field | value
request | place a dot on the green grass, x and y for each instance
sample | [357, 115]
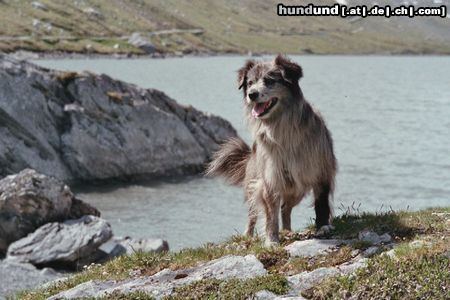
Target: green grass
[231, 289]
[400, 225]
[412, 274]
[430, 224]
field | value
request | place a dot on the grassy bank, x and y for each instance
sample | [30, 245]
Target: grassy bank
[219, 26]
[415, 270]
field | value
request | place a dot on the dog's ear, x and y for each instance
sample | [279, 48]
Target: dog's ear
[290, 71]
[242, 73]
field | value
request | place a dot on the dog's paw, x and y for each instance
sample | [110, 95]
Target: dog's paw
[324, 229]
[271, 244]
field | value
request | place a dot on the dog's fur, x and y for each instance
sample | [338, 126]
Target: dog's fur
[292, 152]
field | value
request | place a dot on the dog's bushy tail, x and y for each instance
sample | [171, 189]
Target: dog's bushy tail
[230, 161]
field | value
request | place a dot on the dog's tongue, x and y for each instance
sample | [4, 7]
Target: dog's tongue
[259, 108]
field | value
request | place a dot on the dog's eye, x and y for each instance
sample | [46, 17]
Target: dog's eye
[250, 83]
[269, 81]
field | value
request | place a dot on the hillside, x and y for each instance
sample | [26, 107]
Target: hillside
[393, 255]
[218, 26]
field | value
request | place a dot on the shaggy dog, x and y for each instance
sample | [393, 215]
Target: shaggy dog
[292, 152]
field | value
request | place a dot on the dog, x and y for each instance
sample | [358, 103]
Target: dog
[292, 152]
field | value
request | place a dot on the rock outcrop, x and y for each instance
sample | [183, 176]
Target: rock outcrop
[126, 246]
[18, 276]
[71, 244]
[29, 199]
[163, 283]
[86, 127]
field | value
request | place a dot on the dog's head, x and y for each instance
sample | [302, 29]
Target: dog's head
[270, 87]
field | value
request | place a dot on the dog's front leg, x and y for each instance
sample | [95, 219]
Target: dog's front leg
[252, 218]
[272, 211]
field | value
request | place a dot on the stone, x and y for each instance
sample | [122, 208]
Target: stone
[138, 40]
[87, 127]
[143, 245]
[92, 12]
[371, 251]
[420, 244]
[127, 246]
[266, 295]
[70, 244]
[373, 238]
[312, 247]
[307, 280]
[164, 282]
[80, 208]
[385, 238]
[16, 277]
[39, 5]
[390, 253]
[30, 199]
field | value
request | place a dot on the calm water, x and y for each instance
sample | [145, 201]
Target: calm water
[389, 116]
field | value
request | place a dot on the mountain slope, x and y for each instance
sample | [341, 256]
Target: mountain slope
[211, 26]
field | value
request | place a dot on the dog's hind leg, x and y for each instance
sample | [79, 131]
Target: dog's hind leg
[286, 210]
[289, 201]
[322, 205]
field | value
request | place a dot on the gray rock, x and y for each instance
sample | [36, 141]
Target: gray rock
[80, 208]
[143, 245]
[138, 40]
[420, 244]
[307, 280]
[266, 295]
[72, 244]
[127, 246]
[373, 237]
[29, 200]
[371, 251]
[92, 12]
[390, 253]
[163, 283]
[352, 266]
[87, 127]
[312, 247]
[16, 277]
[39, 5]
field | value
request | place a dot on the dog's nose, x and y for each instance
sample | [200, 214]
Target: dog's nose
[253, 96]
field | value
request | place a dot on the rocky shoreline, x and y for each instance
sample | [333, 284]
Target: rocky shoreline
[47, 233]
[344, 264]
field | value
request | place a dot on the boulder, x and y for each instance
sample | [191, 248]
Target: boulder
[138, 40]
[164, 282]
[92, 12]
[39, 5]
[312, 247]
[70, 244]
[127, 246]
[373, 238]
[16, 277]
[87, 127]
[29, 200]
[306, 280]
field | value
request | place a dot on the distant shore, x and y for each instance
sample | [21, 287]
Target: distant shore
[31, 55]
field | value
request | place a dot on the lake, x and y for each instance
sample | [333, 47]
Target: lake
[389, 117]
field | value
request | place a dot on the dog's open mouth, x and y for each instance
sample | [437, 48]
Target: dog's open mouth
[260, 109]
